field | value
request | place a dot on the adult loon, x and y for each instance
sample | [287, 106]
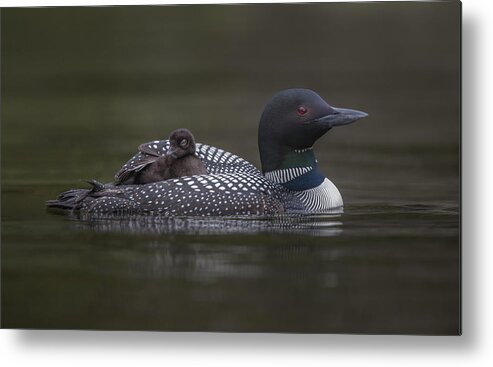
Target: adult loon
[180, 160]
[290, 181]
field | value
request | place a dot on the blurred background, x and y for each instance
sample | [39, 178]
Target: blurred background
[83, 87]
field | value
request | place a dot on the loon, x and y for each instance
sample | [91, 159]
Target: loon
[289, 182]
[180, 160]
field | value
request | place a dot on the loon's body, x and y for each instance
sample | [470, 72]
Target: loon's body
[178, 161]
[289, 182]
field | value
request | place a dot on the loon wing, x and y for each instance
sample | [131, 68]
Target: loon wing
[217, 161]
[233, 186]
[149, 150]
[199, 195]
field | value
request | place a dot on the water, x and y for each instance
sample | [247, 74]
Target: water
[76, 103]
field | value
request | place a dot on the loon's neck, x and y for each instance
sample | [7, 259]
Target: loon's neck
[296, 170]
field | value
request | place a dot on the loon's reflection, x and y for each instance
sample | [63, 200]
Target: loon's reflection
[296, 261]
[316, 225]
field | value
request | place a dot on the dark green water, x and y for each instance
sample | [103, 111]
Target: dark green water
[83, 87]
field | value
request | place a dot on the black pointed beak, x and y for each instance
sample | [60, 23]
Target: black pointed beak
[340, 116]
[171, 152]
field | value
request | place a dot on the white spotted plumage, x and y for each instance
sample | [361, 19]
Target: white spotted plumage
[216, 160]
[208, 195]
[232, 187]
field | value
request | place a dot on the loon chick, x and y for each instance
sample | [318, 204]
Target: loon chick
[290, 181]
[180, 160]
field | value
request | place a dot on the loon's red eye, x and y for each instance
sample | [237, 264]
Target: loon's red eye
[302, 110]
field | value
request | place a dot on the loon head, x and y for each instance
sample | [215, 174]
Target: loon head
[292, 121]
[182, 143]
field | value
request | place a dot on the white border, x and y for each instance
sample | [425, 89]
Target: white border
[474, 348]
[17, 3]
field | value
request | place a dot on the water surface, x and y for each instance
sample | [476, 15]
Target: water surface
[82, 88]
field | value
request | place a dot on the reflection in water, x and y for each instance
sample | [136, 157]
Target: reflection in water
[377, 268]
[208, 264]
[316, 225]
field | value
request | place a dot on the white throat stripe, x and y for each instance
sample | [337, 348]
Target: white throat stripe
[287, 174]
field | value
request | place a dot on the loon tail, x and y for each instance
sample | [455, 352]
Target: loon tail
[72, 198]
